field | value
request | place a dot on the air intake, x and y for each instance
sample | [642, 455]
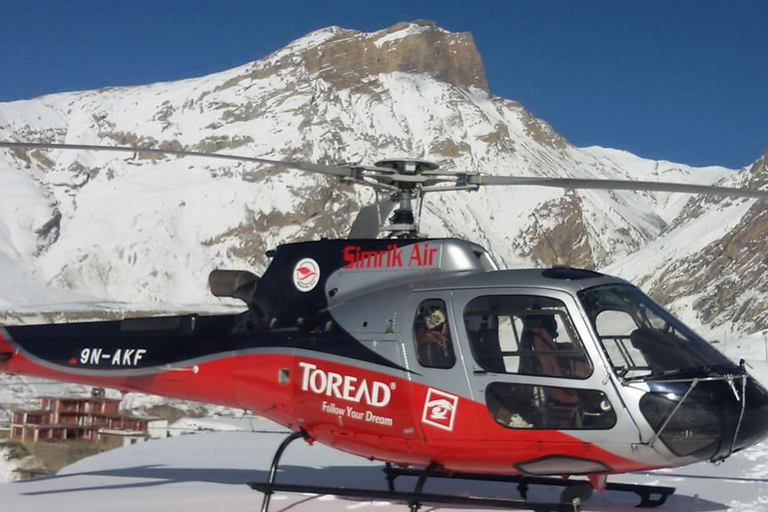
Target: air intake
[237, 284]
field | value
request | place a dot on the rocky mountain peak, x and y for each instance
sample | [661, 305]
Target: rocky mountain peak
[348, 59]
[758, 172]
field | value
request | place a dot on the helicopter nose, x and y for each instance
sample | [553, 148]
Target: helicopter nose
[707, 419]
[754, 422]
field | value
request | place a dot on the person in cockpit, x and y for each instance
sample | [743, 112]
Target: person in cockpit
[548, 357]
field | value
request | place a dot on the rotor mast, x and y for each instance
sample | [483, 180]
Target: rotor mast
[404, 222]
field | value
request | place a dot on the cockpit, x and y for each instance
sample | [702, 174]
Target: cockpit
[699, 403]
[570, 350]
[640, 338]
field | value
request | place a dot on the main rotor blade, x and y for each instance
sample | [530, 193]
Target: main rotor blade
[653, 186]
[370, 219]
[302, 166]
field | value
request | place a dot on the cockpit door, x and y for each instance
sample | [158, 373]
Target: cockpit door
[533, 366]
[441, 396]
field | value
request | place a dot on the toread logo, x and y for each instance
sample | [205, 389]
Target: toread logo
[440, 409]
[306, 275]
[346, 387]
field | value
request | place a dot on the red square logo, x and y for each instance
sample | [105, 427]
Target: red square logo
[440, 409]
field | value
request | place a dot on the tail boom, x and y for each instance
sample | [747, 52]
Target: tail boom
[107, 354]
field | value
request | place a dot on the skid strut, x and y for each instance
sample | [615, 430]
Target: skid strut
[275, 461]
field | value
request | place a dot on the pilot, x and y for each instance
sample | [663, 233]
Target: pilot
[433, 339]
[539, 335]
[552, 357]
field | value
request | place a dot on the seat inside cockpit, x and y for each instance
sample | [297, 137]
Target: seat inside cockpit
[525, 335]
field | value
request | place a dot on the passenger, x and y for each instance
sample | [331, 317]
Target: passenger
[433, 340]
[500, 405]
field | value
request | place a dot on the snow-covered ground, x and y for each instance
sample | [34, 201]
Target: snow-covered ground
[209, 472]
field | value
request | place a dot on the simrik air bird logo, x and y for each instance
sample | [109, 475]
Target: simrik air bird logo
[306, 275]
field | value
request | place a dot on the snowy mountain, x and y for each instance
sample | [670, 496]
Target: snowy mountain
[710, 264]
[83, 231]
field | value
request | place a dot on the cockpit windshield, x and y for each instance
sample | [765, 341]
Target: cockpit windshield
[641, 338]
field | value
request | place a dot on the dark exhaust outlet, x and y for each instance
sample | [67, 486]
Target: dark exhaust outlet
[238, 284]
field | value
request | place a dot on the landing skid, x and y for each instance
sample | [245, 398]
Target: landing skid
[650, 495]
[416, 499]
[570, 501]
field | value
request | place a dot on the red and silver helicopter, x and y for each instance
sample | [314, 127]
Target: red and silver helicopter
[422, 353]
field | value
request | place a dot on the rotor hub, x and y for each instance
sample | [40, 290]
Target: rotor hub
[408, 165]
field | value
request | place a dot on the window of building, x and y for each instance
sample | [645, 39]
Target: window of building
[525, 335]
[432, 335]
[527, 406]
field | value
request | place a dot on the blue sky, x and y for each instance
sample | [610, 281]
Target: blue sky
[682, 81]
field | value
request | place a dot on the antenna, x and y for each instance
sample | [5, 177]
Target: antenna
[558, 261]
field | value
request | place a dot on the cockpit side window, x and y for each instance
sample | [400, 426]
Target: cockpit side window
[525, 335]
[615, 328]
[432, 335]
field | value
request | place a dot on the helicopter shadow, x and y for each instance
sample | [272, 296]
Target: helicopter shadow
[368, 477]
[158, 475]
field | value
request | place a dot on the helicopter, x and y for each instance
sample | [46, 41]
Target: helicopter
[423, 354]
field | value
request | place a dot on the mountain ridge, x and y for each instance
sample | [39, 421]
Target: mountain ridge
[149, 229]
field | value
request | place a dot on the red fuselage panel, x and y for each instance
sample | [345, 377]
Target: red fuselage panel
[370, 413]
